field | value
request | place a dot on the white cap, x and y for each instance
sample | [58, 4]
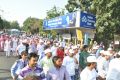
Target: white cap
[95, 47]
[71, 51]
[78, 45]
[47, 51]
[102, 51]
[107, 53]
[41, 41]
[66, 51]
[60, 45]
[109, 49]
[91, 59]
[118, 53]
[74, 47]
[24, 41]
[57, 44]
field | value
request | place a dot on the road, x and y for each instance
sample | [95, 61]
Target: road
[5, 65]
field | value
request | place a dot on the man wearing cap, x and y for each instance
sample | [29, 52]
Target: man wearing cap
[111, 52]
[101, 55]
[94, 50]
[103, 65]
[69, 62]
[114, 68]
[40, 49]
[54, 49]
[46, 61]
[21, 47]
[76, 55]
[89, 73]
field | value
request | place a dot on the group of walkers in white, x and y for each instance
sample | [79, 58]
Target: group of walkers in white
[47, 59]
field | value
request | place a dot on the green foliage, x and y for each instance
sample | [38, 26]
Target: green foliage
[6, 24]
[108, 19]
[9, 25]
[107, 14]
[1, 23]
[52, 13]
[14, 25]
[32, 25]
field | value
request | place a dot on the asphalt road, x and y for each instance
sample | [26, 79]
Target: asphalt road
[5, 65]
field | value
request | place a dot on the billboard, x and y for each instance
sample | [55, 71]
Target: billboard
[65, 21]
[87, 20]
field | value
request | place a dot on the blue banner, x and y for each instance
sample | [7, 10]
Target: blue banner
[65, 21]
[87, 20]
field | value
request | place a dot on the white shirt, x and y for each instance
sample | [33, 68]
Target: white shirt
[54, 51]
[114, 70]
[69, 62]
[15, 43]
[40, 49]
[102, 67]
[58, 74]
[77, 57]
[87, 74]
[32, 48]
[7, 45]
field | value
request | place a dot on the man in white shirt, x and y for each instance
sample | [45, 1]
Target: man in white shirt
[76, 55]
[40, 48]
[103, 65]
[114, 68]
[69, 62]
[89, 73]
[54, 50]
[7, 47]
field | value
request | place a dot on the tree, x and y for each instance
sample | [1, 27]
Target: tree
[107, 14]
[1, 23]
[108, 19]
[14, 25]
[32, 25]
[52, 13]
[74, 5]
[6, 24]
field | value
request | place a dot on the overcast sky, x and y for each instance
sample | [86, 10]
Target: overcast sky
[21, 9]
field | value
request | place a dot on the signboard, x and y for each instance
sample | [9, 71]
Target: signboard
[65, 21]
[87, 20]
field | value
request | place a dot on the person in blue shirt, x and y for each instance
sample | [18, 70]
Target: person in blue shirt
[18, 65]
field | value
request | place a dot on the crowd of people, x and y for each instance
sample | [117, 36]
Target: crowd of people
[47, 59]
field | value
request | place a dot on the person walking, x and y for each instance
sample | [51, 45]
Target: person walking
[46, 61]
[69, 62]
[7, 47]
[114, 68]
[58, 71]
[18, 65]
[32, 68]
[89, 72]
[83, 57]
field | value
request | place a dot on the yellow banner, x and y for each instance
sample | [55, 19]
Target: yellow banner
[79, 34]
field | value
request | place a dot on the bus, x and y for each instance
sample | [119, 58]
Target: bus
[14, 32]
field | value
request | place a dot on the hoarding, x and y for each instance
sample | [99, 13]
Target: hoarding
[87, 20]
[65, 21]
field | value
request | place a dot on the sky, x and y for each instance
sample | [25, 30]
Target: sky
[20, 10]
